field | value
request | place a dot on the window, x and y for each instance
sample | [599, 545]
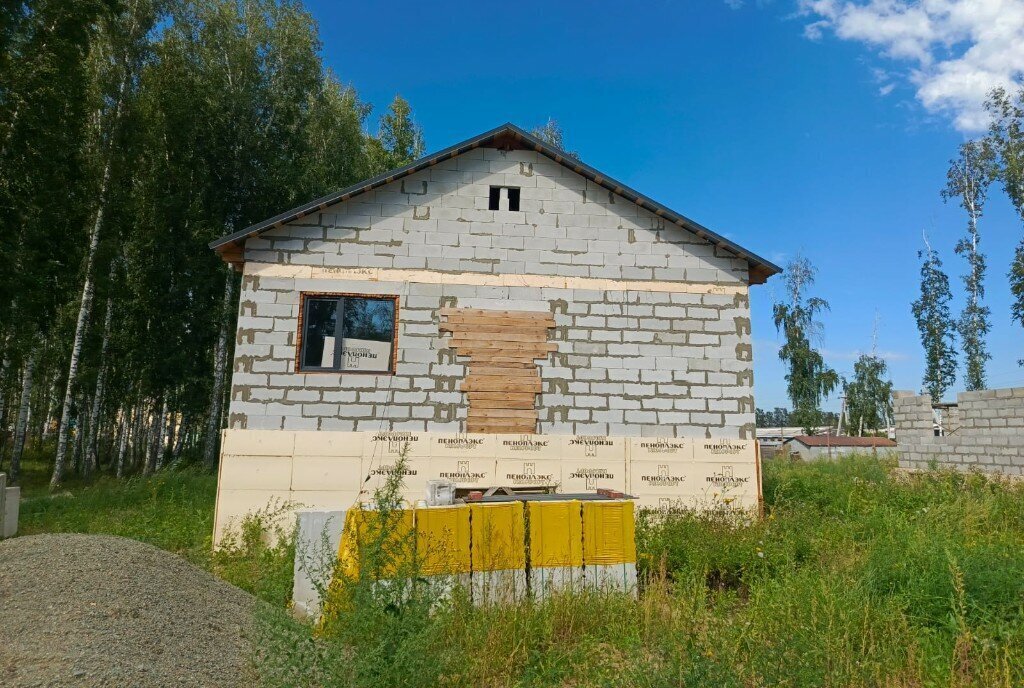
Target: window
[503, 198]
[347, 333]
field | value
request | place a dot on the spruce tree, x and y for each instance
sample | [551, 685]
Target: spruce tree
[934, 322]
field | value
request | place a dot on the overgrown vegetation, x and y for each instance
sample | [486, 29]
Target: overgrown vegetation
[858, 576]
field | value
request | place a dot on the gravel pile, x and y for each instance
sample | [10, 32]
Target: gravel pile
[95, 610]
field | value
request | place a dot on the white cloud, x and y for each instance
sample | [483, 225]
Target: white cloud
[957, 50]
[886, 90]
[734, 4]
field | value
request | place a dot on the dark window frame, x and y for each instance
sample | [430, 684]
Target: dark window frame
[304, 298]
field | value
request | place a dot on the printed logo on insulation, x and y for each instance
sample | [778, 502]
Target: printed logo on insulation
[529, 476]
[591, 445]
[662, 477]
[462, 441]
[525, 444]
[591, 476]
[394, 441]
[727, 478]
[463, 474]
[723, 447]
[664, 446]
[390, 470]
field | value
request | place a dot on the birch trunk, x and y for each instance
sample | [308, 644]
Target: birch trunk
[166, 419]
[76, 448]
[3, 407]
[48, 421]
[213, 423]
[89, 461]
[140, 437]
[21, 429]
[85, 307]
[156, 434]
[127, 416]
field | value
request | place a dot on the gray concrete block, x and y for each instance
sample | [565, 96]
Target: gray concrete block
[318, 534]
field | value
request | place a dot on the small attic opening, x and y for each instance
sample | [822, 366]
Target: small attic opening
[504, 198]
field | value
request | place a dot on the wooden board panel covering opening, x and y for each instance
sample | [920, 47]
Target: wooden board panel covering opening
[503, 377]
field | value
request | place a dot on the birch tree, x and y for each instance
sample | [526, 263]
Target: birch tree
[808, 380]
[126, 50]
[1006, 139]
[935, 325]
[869, 394]
[968, 179]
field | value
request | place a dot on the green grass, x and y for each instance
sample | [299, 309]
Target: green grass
[172, 510]
[858, 576]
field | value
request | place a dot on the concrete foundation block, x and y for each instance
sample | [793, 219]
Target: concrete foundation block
[318, 535]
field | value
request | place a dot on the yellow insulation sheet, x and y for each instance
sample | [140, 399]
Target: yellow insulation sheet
[498, 533]
[442, 540]
[556, 534]
[609, 533]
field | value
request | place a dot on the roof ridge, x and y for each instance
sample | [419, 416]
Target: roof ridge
[760, 268]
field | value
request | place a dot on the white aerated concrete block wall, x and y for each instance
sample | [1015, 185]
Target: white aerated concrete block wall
[653, 322]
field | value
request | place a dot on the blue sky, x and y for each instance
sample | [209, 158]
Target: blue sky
[820, 127]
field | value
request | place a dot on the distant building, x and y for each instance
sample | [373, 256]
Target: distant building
[815, 447]
[770, 440]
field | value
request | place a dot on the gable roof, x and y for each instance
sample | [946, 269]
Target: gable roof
[509, 137]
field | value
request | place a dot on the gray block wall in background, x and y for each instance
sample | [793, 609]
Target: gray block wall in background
[985, 432]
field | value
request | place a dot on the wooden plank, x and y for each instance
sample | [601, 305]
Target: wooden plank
[470, 347]
[483, 413]
[517, 363]
[471, 384]
[491, 313]
[502, 425]
[509, 336]
[502, 358]
[497, 370]
[505, 403]
[499, 320]
[456, 321]
[499, 396]
[496, 327]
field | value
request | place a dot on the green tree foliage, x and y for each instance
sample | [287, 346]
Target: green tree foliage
[169, 123]
[44, 113]
[869, 395]
[934, 322]
[1006, 139]
[775, 418]
[808, 379]
[400, 140]
[968, 179]
[551, 133]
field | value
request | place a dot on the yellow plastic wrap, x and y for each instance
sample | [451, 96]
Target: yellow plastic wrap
[364, 533]
[609, 533]
[556, 534]
[498, 536]
[442, 540]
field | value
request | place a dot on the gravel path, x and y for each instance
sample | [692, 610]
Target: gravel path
[95, 610]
